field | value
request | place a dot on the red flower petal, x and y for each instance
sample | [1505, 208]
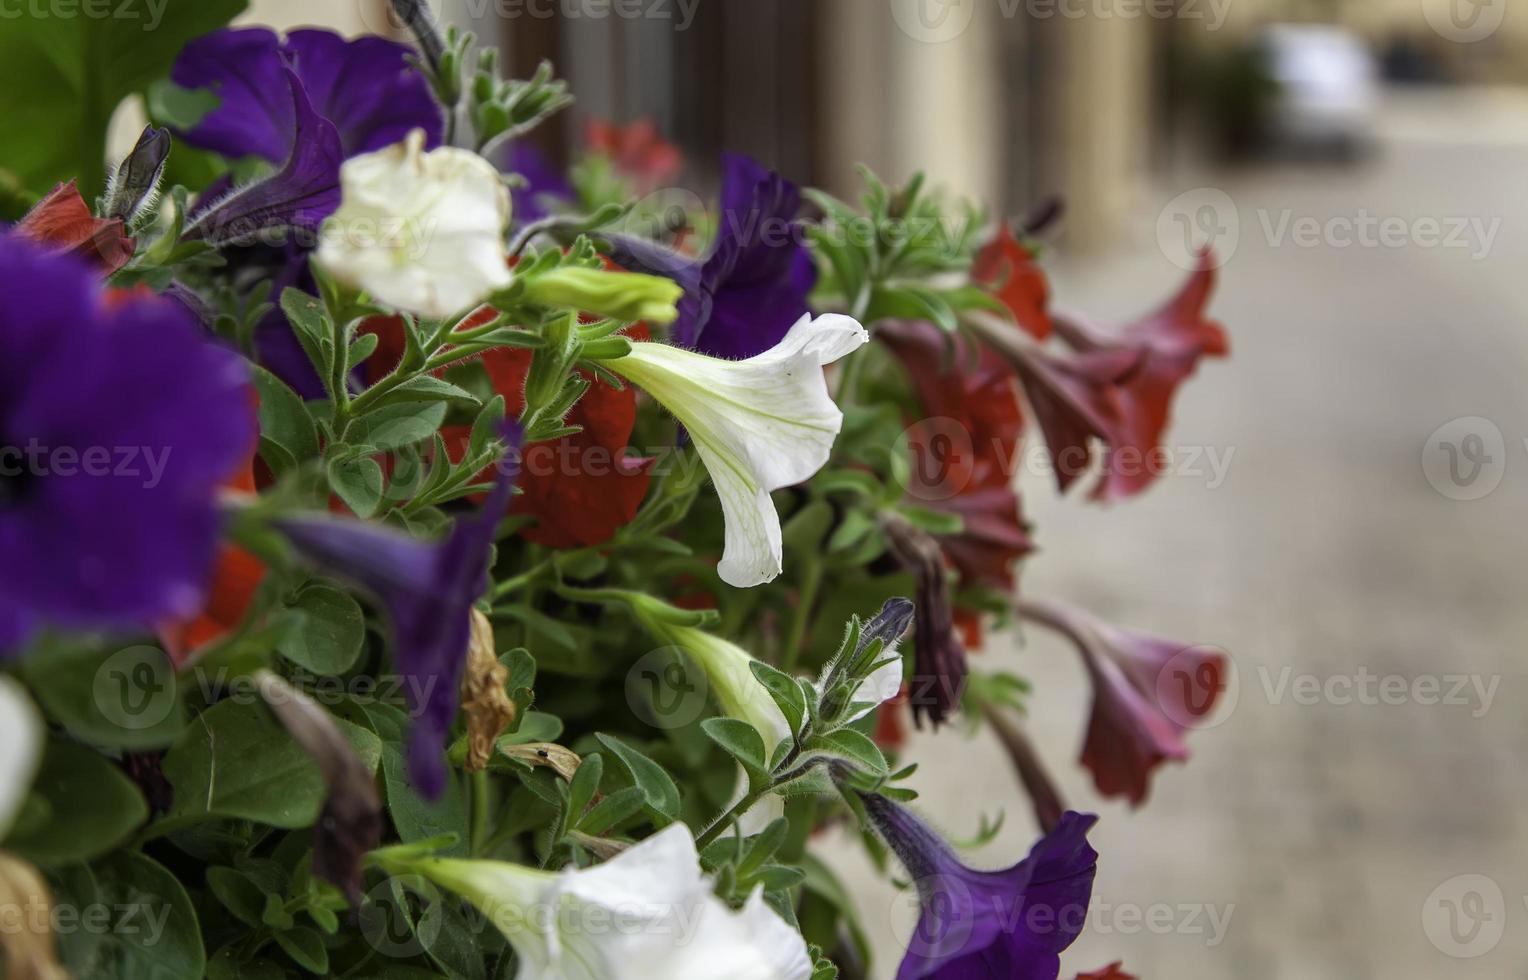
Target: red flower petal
[234, 583]
[638, 152]
[975, 389]
[63, 220]
[1010, 271]
[1110, 972]
[582, 488]
[1171, 341]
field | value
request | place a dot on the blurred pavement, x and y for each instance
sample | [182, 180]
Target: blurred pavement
[1332, 834]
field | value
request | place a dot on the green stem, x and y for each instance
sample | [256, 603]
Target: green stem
[479, 789]
[520, 581]
[811, 583]
[726, 819]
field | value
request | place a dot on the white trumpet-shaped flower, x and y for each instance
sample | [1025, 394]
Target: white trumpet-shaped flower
[759, 425]
[648, 912]
[21, 735]
[421, 232]
[727, 669]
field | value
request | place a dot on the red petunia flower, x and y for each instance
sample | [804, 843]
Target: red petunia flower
[581, 488]
[992, 541]
[1148, 692]
[1170, 343]
[63, 220]
[1010, 272]
[235, 580]
[970, 386]
[638, 152]
[1110, 972]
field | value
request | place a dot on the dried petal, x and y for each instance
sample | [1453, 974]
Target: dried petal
[489, 708]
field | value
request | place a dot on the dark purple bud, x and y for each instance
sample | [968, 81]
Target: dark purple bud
[135, 183]
[939, 659]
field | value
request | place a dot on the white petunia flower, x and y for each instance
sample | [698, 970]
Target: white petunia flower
[648, 912]
[421, 232]
[759, 424]
[21, 734]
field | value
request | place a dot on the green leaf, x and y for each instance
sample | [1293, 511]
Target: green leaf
[585, 784]
[612, 810]
[236, 760]
[396, 426]
[89, 806]
[428, 388]
[62, 77]
[330, 631]
[849, 744]
[306, 948]
[661, 793]
[361, 348]
[741, 741]
[307, 317]
[784, 689]
[284, 421]
[358, 481]
[124, 699]
[415, 818]
[132, 887]
[238, 893]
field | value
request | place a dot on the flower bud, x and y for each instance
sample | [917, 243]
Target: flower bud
[626, 296]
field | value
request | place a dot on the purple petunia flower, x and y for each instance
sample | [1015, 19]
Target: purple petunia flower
[427, 590]
[300, 195]
[365, 88]
[744, 298]
[117, 427]
[1012, 923]
[545, 185]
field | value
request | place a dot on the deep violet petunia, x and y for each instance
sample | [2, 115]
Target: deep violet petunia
[427, 590]
[545, 188]
[747, 294]
[1012, 923]
[118, 425]
[300, 195]
[365, 87]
